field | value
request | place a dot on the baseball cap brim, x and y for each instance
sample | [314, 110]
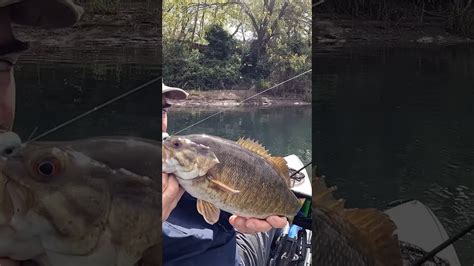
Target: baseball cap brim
[174, 93]
[45, 13]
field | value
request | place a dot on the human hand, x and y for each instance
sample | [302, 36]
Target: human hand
[253, 225]
[8, 262]
[171, 194]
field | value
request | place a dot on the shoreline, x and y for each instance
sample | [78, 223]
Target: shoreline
[232, 98]
[138, 26]
[333, 31]
[132, 25]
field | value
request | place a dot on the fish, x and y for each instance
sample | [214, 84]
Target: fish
[350, 237]
[239, 177]
[85, 202]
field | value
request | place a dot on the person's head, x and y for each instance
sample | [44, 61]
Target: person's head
[168, 95]
[47, 14]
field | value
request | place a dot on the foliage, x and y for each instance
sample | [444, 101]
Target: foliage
[457, 15]
[241, 44]
[220, 46]
[192, 69]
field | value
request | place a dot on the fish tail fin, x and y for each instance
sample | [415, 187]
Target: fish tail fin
[301, 202]
[291, 219]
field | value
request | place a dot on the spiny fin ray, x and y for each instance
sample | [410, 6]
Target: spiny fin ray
[278, 163]
[371, 228]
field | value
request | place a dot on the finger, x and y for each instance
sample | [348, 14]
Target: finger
[175, 199]
[232, 220]
[240, 224]
[258, 225]
[173, 185]
[277, 221]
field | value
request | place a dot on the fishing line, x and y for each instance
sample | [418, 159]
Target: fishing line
[444, 245]
[295, 173]
[145, 85]
[239, 103]
[95, 109]
[32, 133]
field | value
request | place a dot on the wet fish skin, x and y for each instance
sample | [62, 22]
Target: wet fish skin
[87, 207]
[332, 247]
[352, 237]
[259, 189]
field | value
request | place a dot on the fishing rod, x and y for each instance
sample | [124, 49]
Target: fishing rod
[298, 179]
[444, 245]
[98, 107]
[306, 165]
[244, 100]
[136, 89]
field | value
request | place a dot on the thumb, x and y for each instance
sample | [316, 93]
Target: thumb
[164, 181]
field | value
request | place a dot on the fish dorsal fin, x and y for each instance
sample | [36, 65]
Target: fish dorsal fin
[378, 230]
[278, 163]
[254, 147]
[323, 196]
[282, 168]
[373, 229]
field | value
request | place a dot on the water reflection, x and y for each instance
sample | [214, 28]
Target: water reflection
[397, 123]
[54, 88]
[282, 130]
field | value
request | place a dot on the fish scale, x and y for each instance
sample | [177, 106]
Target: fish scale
[242, 166]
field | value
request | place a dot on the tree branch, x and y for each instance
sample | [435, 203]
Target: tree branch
[236, 30]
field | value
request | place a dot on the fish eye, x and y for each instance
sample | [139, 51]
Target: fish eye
[7, 151]
[177, 144]
[47, 168]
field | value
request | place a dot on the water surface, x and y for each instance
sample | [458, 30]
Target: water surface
[399, 123]
[55, 86]
[282, 130]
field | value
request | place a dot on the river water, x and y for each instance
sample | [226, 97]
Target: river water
[282, 130]
[55, 86]
[398, 123]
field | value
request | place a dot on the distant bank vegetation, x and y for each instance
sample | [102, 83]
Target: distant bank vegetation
[456, 15]
[238, 44]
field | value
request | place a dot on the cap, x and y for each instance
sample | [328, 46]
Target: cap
[174, 93]
[44, 13]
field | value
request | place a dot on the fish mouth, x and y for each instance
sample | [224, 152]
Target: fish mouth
[6, 205]
[14, 199]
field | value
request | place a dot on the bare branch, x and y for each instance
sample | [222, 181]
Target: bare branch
[236, 30]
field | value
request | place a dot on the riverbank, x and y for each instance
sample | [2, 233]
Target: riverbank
[232, 98]
[130, 25]
[338, 31]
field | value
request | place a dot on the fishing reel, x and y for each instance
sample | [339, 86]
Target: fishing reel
[293, 249]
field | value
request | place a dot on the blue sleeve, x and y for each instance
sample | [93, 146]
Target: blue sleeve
[189, 240]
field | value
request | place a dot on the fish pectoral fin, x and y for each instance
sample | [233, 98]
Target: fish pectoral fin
[223, 186]
[208, 211]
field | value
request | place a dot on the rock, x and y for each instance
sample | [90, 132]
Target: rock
[266, 101]
[327, 31]
[441, 39]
